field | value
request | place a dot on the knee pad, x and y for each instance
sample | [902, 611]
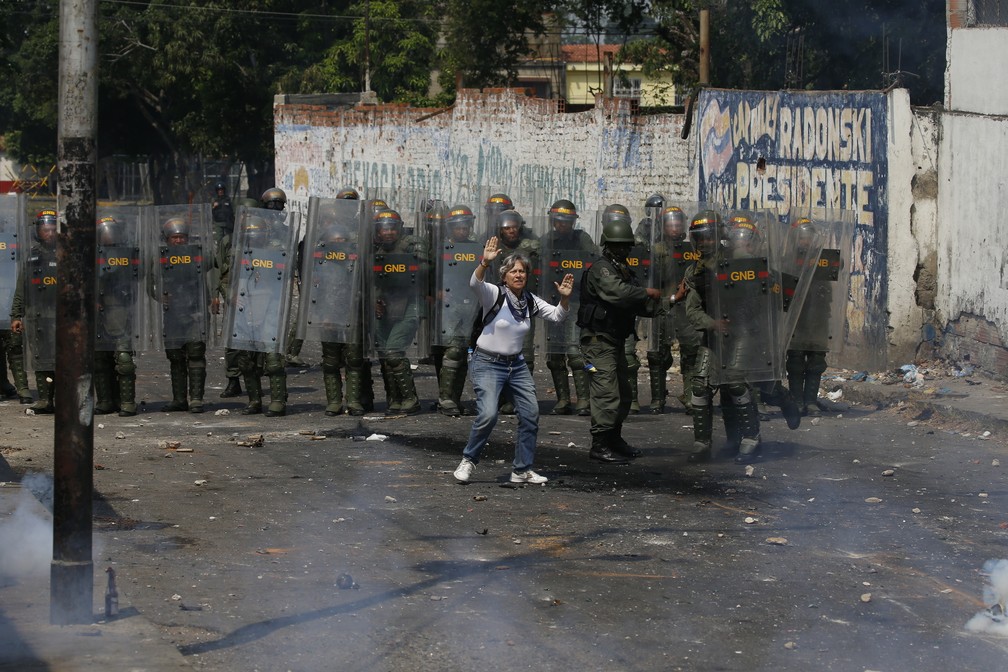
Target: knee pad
[175, 355]
[576, 362]
[354, 354]
[817, 363]
[124, 364]
[274, 364]
[740, 394]
[556, 362]
[196, 354]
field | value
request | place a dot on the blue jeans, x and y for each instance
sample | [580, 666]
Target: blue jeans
[490, 375]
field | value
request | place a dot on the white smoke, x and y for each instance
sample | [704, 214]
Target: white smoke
[26, 535]
[993, 620]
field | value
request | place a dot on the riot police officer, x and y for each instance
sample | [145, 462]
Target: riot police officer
[564, 243]
[806, 354]
[117, 318]
[611, 300]
[672, 255]
[514, 235]
[738, 411]
[636, 258]
[11, 219]
[222, 211]
[35, 298]
[396, 291]
[261, 301]
[182, 292]
[455, 308]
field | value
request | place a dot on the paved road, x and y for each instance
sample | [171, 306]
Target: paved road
[818, 559]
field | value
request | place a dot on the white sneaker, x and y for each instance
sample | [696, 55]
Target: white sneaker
[526, 477]
[464, 471]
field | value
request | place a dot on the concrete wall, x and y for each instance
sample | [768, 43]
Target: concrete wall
[977, 63]
[929, 274]
[499, 140]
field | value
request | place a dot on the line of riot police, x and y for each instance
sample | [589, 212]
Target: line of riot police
[392, 284]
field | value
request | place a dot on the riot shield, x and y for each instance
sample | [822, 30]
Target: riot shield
[182, 248]
[672, 255]
[820, 321]
[121, 305]
[329, 310]
[395, 288]
[745, 297]
[457, 247]
[12, 210]
[261, 279]
[40, 296]
[564, 253]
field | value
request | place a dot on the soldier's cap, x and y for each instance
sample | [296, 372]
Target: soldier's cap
[704, 219]
[500, 199]
[44, 215]
[107, 220]
[673, 210]
[460, 214]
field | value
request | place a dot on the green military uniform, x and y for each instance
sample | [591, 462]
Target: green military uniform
[41, 267]
[672, 258]
[179, 277]
[611, 300]
[737, 408]
[397, 312]
[559, 362]
[118, 264]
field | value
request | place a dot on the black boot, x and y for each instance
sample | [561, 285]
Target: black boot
[602, 451]
[233, 389]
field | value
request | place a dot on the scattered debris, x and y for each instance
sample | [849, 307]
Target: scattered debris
[346, 582]
[866, 597]
[479, 498]
[749, 520]
[790, 646]
[252, 441]
[915, 510]
[222, 411]
[120, 435]
[306, 432]
[873, 500]
[777, 541]
[750, 470]
[995, 463]
[889, 472]
[390, 499]
[376, 437]
[201, 481]
[172, 445]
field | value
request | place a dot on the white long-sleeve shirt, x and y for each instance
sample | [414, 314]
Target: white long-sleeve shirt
[504, 334]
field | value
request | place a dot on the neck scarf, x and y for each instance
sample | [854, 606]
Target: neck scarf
[518, 306]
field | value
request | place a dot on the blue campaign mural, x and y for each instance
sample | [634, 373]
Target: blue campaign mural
[784, 150]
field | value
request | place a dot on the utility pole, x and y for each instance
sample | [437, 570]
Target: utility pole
[72, 569]
[704, 47]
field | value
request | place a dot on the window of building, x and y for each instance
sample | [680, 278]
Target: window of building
[626, 87]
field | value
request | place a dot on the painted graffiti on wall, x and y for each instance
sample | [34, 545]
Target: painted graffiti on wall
[782, 151]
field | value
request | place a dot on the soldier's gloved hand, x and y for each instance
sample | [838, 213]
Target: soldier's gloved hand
[16, 326]
[215, 306]
[653, 293]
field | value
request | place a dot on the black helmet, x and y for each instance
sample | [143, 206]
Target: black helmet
[704, 230]
[273, 199]
[461, 216]
[655, 201]
[109, 231]
[176, 226]
[563, 211]
[220, 187]
[673, 221]
[510, 219]
[348, 193]
[617, 226]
